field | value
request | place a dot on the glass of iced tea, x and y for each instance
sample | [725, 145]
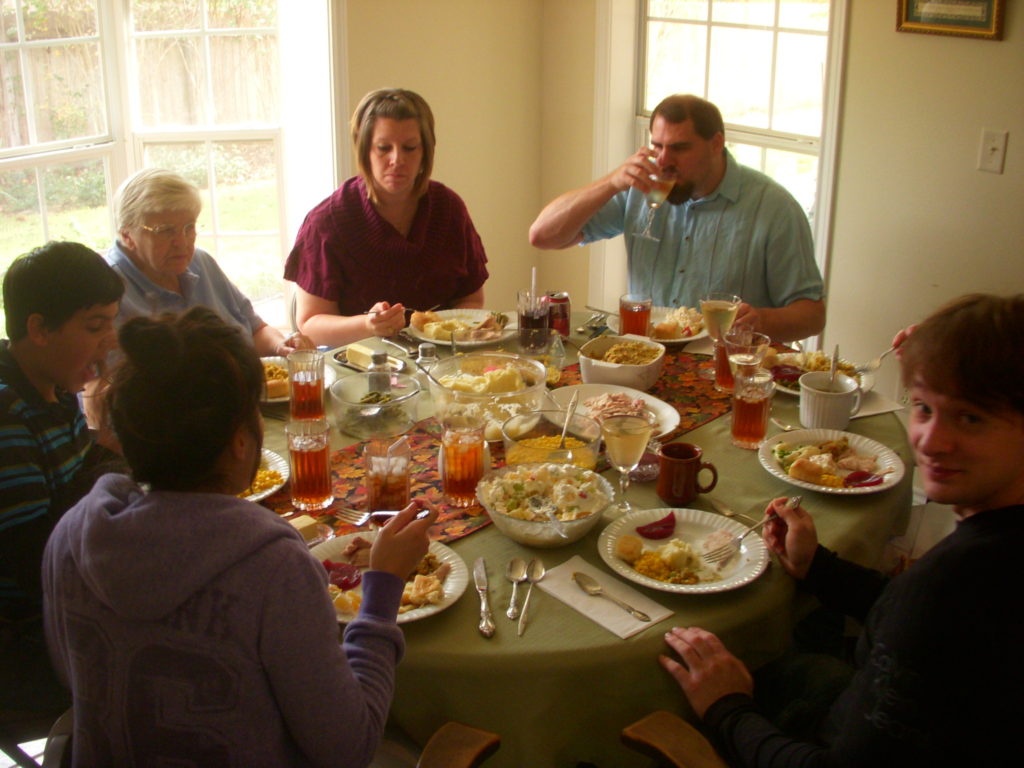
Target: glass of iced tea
[532, 313]
[306, 384]
[309, 450]
[463, 460]
[387, 474]
[634, 314]
[751, 404]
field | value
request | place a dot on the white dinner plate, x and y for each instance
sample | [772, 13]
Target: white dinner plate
[468, 316]
[692, 526]
[886, 458]
[867, 380]
[329, 377]
[277, 463]
[668, 417]
[454, 585]
[658, 314]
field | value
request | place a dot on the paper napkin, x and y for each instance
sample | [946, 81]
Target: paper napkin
[558, 582]
[873, 403]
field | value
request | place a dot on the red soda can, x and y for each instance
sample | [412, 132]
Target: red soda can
[558, 311]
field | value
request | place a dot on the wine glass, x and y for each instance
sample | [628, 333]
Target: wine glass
[661, 186]
[625, 440]
[719, 311]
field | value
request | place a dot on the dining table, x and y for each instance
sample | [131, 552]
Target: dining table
[561, 693]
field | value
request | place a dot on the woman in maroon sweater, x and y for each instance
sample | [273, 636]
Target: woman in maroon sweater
[389, 239]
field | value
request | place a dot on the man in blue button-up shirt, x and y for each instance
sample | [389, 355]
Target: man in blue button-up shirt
[727, 228]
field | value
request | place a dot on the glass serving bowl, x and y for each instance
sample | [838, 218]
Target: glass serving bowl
[533, 436]
[492, 385]
[372, 420]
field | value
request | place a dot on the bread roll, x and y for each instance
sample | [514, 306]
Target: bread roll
[806, 470]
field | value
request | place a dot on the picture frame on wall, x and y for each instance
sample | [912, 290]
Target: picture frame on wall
[981, 19]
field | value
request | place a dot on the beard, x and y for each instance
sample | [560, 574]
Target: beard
[680, 193]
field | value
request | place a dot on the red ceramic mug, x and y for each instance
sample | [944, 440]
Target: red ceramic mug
[678, 467]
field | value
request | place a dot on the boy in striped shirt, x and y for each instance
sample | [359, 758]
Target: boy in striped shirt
[60, 302]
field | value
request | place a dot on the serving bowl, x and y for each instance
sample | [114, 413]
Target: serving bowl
[460, 378]
[371, 420]
[504, 496]
[533, 437]
[595, 371]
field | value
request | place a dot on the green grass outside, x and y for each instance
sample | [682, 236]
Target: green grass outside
[252, 262]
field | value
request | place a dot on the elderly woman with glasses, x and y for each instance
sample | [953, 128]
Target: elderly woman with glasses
[155, 254]
[390, 238]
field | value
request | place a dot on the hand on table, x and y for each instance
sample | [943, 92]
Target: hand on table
[295, 341]
[710, 671]
[403, 541]
[385, 319]
[791, 536]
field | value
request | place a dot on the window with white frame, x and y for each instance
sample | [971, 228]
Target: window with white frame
[763, 62]
[93, 90]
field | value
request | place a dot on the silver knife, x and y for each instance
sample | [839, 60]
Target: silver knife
[480, 578]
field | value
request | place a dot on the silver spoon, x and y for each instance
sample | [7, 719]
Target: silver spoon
[591, 587]
[516, 573]
[782, 426]
[535, 572]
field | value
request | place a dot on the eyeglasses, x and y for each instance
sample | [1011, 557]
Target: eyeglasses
[168, 231]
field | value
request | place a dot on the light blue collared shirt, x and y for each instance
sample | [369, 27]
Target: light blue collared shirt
[202, 284]
[749, 237]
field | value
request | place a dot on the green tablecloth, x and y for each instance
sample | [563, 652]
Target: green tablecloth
[561, 693]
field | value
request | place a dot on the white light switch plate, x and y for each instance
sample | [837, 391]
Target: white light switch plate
[992, 153]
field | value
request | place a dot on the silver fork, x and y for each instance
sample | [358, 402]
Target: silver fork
[874, 364]
[721, 555]
[357, 518]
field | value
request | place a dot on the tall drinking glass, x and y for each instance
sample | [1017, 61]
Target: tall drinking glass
[635, 314]
[751, 404]
[719, 311]
[532, 312]
[309, 449]
[306, 384]
[462, 458]
[661, 186]
[625, 440]
[746, 349]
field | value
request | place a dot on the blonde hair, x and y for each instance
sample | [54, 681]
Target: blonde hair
[153, 190]
[394, 104]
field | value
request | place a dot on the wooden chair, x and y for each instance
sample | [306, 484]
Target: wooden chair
[455, 745]
[672, 740]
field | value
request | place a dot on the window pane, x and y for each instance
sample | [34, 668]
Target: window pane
[13, 120]
[153, 15]
[747, 154]
[76, 203]
[797, 172]
[232, 14]
[172, 81]
[744, 11]
[246, 173]
[253, 264]
[741, 65]
[679, 9]
[799, 83]
[804, 14]
[21, 225]
[67, 86]
[188, 160]
[675, 61]
[253, 98]
[55, 19]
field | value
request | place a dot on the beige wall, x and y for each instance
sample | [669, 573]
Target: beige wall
[478, 64]
[915, 224]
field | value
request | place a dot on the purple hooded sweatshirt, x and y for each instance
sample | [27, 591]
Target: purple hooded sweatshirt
[195, 629]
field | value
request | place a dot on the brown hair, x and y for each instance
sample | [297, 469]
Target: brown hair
[394, 104]
[970, 349]
[185, 386]
[680, 107]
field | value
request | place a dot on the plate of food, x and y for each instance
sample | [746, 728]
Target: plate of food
[472, 327]
[270, 477]
[831, 461]
[438, 581]
[788, 367]
[275, 375]
[671, 326]
[597, 400]
[661, 549]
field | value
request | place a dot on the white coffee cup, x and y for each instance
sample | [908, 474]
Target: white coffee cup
[828, 407]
